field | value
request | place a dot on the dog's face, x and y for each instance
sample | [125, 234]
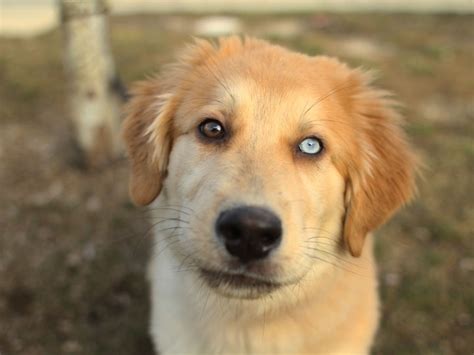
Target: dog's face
[278, 163]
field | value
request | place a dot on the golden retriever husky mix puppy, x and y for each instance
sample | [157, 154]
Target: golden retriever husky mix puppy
[267, 171]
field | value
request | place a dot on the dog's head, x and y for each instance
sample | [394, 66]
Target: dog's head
[274, 161]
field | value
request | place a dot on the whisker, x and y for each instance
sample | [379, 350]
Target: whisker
[219, 80]
[334, 264]
[172, 236]
[183, 262]
[150, 229]
[174, 205]
[167, 245]
[338, 257]
[324, 97]
[223, 78]
[169, 209]
[314, 243]
[179, 206]
[173, 219]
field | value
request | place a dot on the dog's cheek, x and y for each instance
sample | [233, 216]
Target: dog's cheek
[194, 178]
[332, 198]
[182, 168]
[322, 189]
[323, 209]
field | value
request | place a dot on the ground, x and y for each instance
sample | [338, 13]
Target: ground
[73, 249]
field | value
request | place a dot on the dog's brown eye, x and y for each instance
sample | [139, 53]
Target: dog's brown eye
[212, 129]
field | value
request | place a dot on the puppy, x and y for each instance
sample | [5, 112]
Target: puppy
[267, 171]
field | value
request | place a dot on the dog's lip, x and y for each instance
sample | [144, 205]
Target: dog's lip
[216, 278]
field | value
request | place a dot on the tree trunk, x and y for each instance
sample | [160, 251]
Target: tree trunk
[95, 91]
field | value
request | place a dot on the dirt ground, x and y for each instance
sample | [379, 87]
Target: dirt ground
[73, 249]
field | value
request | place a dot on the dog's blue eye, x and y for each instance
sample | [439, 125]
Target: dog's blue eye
[311, 145]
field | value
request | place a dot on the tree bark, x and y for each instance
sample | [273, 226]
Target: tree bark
[95, 92]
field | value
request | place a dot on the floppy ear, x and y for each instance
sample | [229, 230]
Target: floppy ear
[381, 178]
[147, 131]
[148, 128]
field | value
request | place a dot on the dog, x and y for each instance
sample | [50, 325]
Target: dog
[267, 171]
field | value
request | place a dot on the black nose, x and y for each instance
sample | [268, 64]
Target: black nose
[248, 232]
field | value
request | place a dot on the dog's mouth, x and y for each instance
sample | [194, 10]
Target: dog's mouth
[242, 283]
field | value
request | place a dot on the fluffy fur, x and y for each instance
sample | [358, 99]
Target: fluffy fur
[268, 99]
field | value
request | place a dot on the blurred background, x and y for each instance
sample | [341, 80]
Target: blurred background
[73, 249]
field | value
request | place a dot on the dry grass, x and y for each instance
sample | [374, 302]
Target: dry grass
[73, 249]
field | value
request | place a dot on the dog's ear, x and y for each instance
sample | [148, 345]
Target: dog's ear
[147, 131]
[381, 173]
[148, 127]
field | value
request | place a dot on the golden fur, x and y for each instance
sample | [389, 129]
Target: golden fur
[269, 99]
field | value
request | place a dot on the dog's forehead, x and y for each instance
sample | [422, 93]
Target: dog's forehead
[268, 99]
[257, 100]
[261, 90]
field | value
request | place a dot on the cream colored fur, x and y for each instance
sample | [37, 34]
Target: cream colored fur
[268, 99]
